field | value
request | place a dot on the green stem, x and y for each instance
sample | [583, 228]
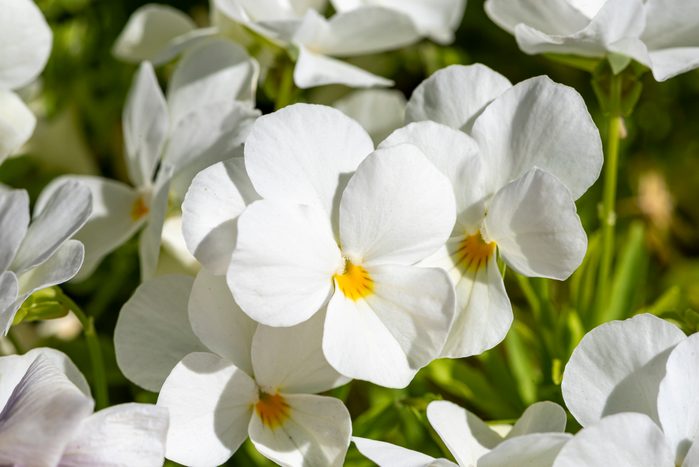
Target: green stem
[286, 87]
[99, 374]
[608, 214]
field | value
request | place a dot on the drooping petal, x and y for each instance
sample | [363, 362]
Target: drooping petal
[125, 434]
[149, 30]
[17, 123]
[14, 219]
[621, 440]
[9, 291]
[379, 111]
[153, 332]
[677, 410]
[534, 222]
[530, 450]
[538, 123]
[603, 378]
[540, 417]
[25, 43]
[210, 212]
[210, 402]
[456, 95]
[316, 432]
[668, 63]
[466, 436]
[41, 415]
[390, 455]
[219, 322]
[281, 271]
[554, 17]
[397, 208]
[291, 360]
[314, 69]
[399, 327]
[63, 215]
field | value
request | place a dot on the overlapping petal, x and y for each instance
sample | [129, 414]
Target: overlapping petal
[390, 455]
[14, 220]
[314, 69]
[17, 123]
[379, 111]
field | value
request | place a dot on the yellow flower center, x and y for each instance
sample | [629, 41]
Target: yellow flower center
[139, 209]
[272, 409]
[355, 281]
[473, 252]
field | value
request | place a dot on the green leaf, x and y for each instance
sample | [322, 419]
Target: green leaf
[629, 274]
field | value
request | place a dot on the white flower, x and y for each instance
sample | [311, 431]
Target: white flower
[631, 384]
[41, 254]
[379, 111]
[533, 150]
[25, 44]
[224, 378]
[207, 114]
[657, 33]
[325, 237]
[535, 439]
[47, 418]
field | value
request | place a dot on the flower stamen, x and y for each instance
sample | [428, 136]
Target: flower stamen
[272, 409]
[473, 253]
[139, 209]
[355, 281]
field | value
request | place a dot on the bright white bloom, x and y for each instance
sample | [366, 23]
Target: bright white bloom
[325, 236]
[208, 112]
[661, 34]
[379, 111]
[223, 377]
[25, 44]
[632, 385]
[436, 19]
[535, 439]
[533, 149]
[38, 255]
[47, 418]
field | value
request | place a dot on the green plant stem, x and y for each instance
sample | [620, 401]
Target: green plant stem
[608, 213]
[99, 375]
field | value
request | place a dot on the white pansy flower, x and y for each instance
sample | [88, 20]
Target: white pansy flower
[637, 400]
[327, 237]
[223, 377]
[25, 44]
[205, 118]
[533, 149]
[39, 254]
[660, 34]
[379, 111]
[535, 439]
[47, 418]
[436, 19]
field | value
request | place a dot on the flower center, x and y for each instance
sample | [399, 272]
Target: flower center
[355, 281]
[272, 409]
[139, 209]
[473, 252]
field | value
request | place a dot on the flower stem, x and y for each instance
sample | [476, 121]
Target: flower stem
[99, 375]
[608, 214]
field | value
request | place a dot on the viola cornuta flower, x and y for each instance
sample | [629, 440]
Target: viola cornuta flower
[660, 34]
[535, 439]
[517, 158]
[636, 401]
[39, 254]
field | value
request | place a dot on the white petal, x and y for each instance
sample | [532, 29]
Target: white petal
[668, 63]
[621, 440]
[603, 377]
[390, 455]
[174, 245]
[677, 408]
[692, 458]
[379, 111]
[152, 234]
[125, 434]
[290, 360]
[466, 436]
[145, 120]
[317, 432]
[555, 17]
[149, 30]
[64, 214]
[534, 222]
[530, 450]
[389, 335]
[540, 417]
[210, 212]
[17, 123]
[281, 271]
[397, 208]
[153, 332]
[456, 95]
[213, 71]
[539, 123]
[25, 43]
[41, 416]
[210, 402]
[313, 69]
[219, 322]
[14, 219]
[9, 291]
